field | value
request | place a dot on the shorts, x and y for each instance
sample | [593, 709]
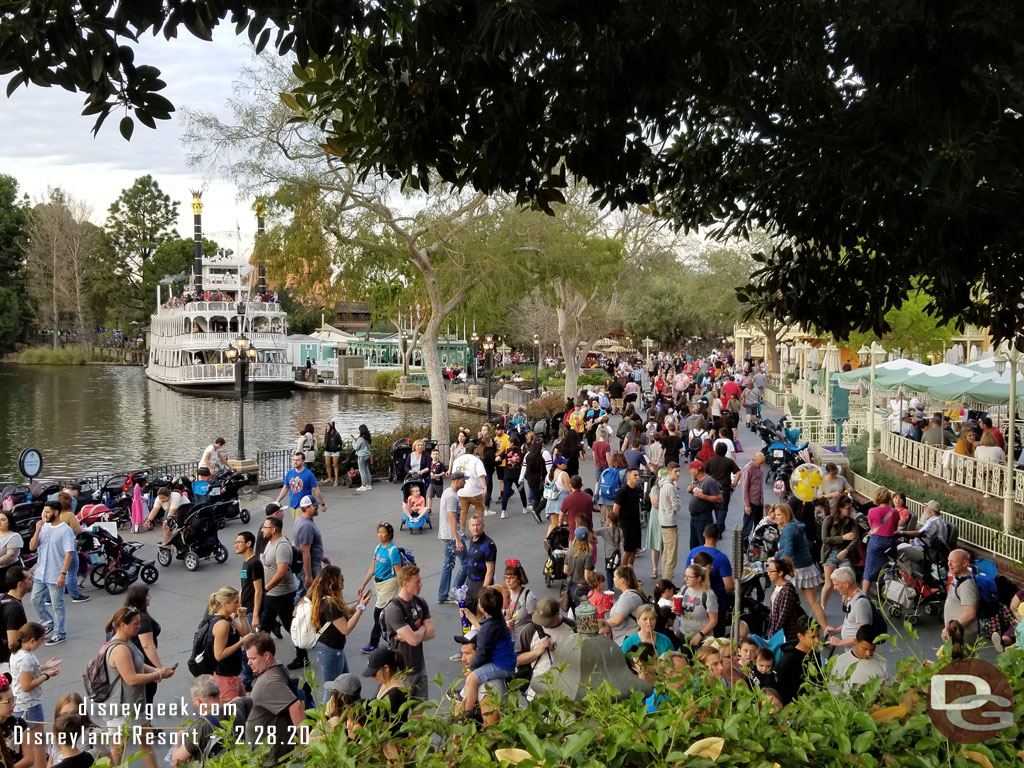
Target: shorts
[434, 491]
[33, 716]
[833, 558]
[332, 454]
[617, 403]
[751, 409]
[489, 672]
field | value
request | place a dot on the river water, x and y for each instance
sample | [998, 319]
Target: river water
[95, 419]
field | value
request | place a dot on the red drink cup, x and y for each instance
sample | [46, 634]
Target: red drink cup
[677, 604]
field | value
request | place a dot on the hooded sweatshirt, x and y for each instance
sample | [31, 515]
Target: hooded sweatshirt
[668, 502]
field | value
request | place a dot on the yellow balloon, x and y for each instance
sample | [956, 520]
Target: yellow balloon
[805, 481]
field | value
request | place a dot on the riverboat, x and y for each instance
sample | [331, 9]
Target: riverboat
[194, 339]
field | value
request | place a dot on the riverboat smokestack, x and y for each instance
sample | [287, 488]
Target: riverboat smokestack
[197, 240]
[261, 268]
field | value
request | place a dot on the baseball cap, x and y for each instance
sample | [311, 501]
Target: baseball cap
[307, 501]
[696, 464]
[272, 508]
[457, 475]
[561, 460]
[547, 610]
[380, 657]
[580, 533]
[347, 683]
[468, 638]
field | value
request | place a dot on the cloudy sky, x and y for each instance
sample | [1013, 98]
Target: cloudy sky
[48, 143]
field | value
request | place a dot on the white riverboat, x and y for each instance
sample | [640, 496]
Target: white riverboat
[190, 335]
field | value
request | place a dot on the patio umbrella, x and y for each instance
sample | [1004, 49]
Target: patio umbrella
[138, 509]
[583, 662]
[887, 375]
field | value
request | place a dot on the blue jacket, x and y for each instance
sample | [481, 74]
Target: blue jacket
[793, 544]
[494, 645]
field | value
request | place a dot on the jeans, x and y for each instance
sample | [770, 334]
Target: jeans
[510, 486]
[490, 488]
[72, 580]
[364, 470]
[328, 663]
[697, 525]
[460, 575]
[722, 510]
[39, 594]
[751, 520]
[536, 485]
[448, 566]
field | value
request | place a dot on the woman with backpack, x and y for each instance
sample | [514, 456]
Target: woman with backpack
[700, 606]
[332, 619]
[306, 444]
[383, 570]
[698, 435]
[229, 628]
[609, 483]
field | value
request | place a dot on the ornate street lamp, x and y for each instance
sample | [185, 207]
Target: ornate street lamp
[242, 353]
[488, 368]
[536, 366]
[873, 355]
[475, 365]
[404, 342]
[1008, 496]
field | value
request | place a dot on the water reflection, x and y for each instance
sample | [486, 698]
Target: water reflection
[94, 419]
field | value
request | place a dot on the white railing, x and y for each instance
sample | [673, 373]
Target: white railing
[220, 340]
[222, 306]
[219, 372]
[973, 534]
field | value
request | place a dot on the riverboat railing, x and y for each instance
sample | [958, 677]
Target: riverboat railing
[220, 372]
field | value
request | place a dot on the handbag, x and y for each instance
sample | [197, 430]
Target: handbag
[613, 561]
[563, 597]
[551, 490]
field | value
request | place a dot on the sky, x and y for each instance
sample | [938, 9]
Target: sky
[48, 143]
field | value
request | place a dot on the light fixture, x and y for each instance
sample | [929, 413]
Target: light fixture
[536, 339]
[230, 353]
[251, 353]
[241, 342]
[864, 354]
[1000, 362]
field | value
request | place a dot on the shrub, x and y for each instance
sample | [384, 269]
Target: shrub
[544, 408]
[592, 379]
[387, 381]
[51, 356]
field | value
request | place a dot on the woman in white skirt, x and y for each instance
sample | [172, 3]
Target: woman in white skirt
[794, 545]
[653, 539]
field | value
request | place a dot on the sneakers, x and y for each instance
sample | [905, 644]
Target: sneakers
[528, 509]
[81, 599]
[48, 627]
[997, 641]
[368, 648]
[56, 639]
[487, 513]
[296, 663]
[442, 600]
[362, 488]
[536, 515]
[276, 631]
[504, 515]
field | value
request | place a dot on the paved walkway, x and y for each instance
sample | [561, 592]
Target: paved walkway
[349, 530]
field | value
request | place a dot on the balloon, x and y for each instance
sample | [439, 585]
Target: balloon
[805, 481]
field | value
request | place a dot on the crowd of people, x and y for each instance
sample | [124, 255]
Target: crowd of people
[674, 440]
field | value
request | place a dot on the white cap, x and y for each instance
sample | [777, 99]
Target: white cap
[307, 501]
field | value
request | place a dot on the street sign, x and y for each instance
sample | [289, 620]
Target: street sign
[30, 463]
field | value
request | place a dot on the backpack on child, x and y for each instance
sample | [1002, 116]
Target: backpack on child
[609, 484]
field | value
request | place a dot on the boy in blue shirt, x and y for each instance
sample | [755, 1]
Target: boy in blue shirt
[299, 482]
[495, 653]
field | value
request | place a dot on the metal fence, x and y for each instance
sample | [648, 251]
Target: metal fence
[974, 534]
[187, 468]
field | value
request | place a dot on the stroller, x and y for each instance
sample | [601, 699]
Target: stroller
[764, 541]
[400, 451]
[424, 519]
[115, 564]
[194, 538]
[753, 588]
[557, 546]
[226, 488]
[907, 587]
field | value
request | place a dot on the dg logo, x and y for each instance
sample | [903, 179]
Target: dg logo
[970, 701]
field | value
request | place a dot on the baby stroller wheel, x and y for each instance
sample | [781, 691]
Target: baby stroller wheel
[913, 618]
[402, 526]
[149, 573]
[98, 577]
[220, 554]
[118, 581]
[192, 561]
[163, 556]
[244, 516]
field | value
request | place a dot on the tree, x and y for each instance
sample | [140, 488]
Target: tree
[14, 310]
[732, 116]
[913, 329]
[139, 222]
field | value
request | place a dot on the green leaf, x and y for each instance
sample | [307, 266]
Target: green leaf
[577, 743]
[863, 741]
[126, 126]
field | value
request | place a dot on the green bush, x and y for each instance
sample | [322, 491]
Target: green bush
[544, 408]
[592, 379]
[879, 724]
[387, 381]
[51, 356]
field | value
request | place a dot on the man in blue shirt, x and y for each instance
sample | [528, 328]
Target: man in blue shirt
[307, 538]
[55, 542]
[721, 567]
[299, 482]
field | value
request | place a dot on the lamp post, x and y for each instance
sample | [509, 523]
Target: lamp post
[648, 343]
[536, 366]
[488, 368]
[241, 352]
[875, 354]
[1001, 360]
[404, 343]
[475, 339]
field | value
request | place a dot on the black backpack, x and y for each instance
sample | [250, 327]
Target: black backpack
[877, 623]
[201, 660]
[386, 633]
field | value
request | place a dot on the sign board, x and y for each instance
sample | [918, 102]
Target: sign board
[30, 463]
[840, 402]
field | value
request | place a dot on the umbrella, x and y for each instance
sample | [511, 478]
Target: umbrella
[888, 375]
[138, 508]
[582, 662]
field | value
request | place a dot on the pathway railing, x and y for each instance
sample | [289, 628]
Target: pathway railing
[974, 534]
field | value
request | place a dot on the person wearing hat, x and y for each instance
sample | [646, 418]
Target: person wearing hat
[486, 712]
[309, 539]
[386, 667]
[450, 534]
[707, 494]
[540, 638]
[579, 565]
[346, 700]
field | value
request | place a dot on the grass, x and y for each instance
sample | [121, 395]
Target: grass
[51, 356]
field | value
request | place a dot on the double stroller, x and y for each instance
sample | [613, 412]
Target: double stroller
[557, 546]
[116, 566]
[194, 537]
[414, 523]
[908, 586]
